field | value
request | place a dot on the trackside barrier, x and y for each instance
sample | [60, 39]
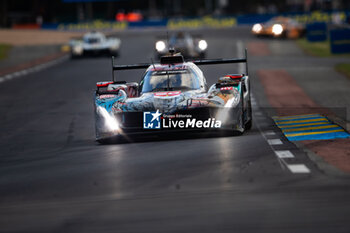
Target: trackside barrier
[316, 32]
[340, 40]
[87, 26]
[205, 22]
[197, 22]
[148, 23]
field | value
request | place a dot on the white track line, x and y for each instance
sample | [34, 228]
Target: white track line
[274, 142]
[298, 168]
[280, 154]
[269, 133]
[284, 154]
[32, 69]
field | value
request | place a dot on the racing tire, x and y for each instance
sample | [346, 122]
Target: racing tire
[72, 56]
[114, 54]
[284, 35]
[239, 132]
[104, 141]
[248, 125]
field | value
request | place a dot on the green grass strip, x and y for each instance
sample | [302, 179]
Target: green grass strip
[4, 50]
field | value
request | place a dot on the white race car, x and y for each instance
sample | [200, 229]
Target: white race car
[94, 43]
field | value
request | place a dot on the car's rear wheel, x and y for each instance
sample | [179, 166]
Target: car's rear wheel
[73, 56]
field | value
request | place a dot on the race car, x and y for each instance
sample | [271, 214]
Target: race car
[189, 46]
[172, 96]
[281, 27]
[94, 43]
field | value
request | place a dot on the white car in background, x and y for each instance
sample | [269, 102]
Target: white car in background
[93, 44]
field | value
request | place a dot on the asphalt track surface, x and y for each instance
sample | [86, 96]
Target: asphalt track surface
[55, 178]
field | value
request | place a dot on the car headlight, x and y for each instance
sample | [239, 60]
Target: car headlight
[277, 29]
[257, 28]
[110, 122]
[114, 47]
[160, 46]
[77, 49]
[202, 44]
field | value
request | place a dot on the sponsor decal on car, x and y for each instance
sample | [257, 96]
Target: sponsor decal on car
[226, 88]
[151, 120]
[107, 96]
[167, 93]
[157, 120]
[191, 123]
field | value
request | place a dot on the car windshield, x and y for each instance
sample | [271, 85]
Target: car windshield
[92, 40]
[169, 80]
[179, 39]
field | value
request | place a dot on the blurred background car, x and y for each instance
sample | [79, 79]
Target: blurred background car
[189, 46]
[94, 43]
[283, 27]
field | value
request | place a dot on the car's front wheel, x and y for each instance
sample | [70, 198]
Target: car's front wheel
[114, 53]
[248, 125]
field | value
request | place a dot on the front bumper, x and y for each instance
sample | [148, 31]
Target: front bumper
[98, 51]
[130, 123]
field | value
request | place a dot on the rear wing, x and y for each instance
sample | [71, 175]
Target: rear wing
[127, 67]
[225, 61]
[169, 61]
